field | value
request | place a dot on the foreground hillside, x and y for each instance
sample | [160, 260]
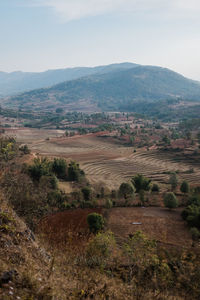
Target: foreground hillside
[138, 249]
[117, 90]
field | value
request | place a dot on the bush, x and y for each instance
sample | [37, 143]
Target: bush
[86, 204]
[170, 200]
[95, 222]
[49, 181]
[155, 188]
[25, 149]
[100, 249]
[195, 233]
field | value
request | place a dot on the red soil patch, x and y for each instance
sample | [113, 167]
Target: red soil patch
[63, 227]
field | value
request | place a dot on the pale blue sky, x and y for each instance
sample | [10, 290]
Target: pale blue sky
[36, 35]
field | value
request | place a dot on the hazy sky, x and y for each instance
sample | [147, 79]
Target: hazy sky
[37, 35]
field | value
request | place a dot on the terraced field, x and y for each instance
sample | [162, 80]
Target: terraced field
[108, 161]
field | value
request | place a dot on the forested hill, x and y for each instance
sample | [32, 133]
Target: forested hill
[17, 82]
[114, 90]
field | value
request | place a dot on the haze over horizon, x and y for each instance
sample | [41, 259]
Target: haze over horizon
[40, 35]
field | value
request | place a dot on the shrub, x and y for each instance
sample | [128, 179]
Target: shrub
[25, 149]
[170, 200]
[49, 181]
[155, 188]
[195, 233]
[100, 249]
[95, 222]
[86, 204]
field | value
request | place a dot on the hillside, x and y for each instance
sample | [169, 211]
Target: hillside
[116, 90]
[17, 82]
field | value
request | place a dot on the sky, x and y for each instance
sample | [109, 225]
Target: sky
[37, 35]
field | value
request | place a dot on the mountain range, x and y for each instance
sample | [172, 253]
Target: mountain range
[113, 87]
[17, 82]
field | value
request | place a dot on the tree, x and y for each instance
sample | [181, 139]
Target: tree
[166, 140]
[126, 190]
[40, 167]
[192, 215]
[74, 172]
[99, 251]
[95, 222]
[141, 253]
[173, 180]
[59, 167]
[141, 183]
[170, 200]
[86, 191]
[198, 137]
[109, 203]
[185, 188]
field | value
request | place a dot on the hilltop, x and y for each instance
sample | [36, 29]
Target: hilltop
[116, 90]
[17, 82]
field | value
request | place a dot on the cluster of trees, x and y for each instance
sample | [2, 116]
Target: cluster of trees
[147, 271]
[56, 168]
[138, 184]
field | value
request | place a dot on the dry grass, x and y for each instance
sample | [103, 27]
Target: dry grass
[106, 160]
[167, 227]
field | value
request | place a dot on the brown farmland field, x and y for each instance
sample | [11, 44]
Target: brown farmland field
[107, 160]
[161, 224]
[165, 226]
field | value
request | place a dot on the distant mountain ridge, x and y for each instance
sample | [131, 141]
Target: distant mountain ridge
[17, 82]
[114, 87]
